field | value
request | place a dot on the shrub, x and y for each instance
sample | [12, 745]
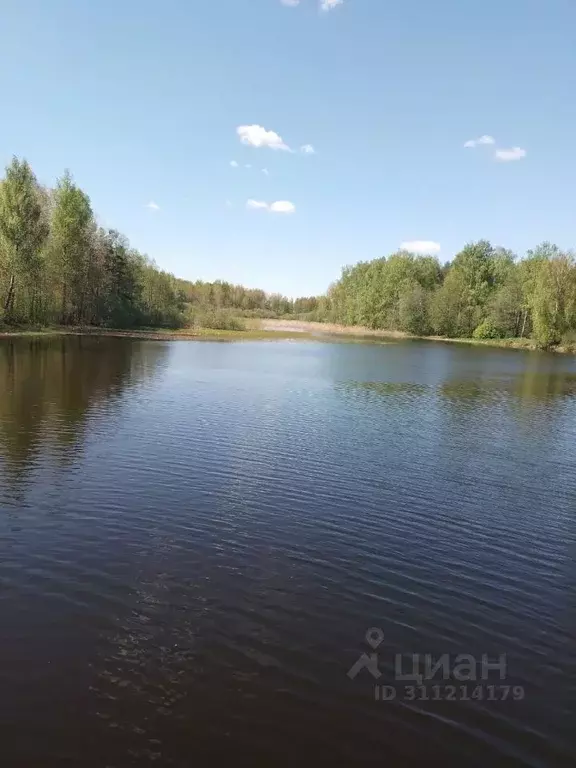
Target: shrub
[488, 330]
[218, 321]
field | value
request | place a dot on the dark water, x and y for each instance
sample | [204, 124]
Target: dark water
[195, 539]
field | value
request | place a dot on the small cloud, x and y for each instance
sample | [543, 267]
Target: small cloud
[234, 164]
[290, 3]
[283, 206]
[308, 149]
[509, 155]
[256, 205]
[329, 5]
[229, 204]
[248, 166]
[482, 141]
[152, 206]
[257, 136]
[422, 247]
[265, 171]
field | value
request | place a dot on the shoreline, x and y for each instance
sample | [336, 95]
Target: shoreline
[357, 331]
[155, 334]
[274, 330]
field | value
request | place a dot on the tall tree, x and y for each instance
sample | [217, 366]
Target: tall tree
[122, 282]
[71, 228]
[23, 228]
[554, 299]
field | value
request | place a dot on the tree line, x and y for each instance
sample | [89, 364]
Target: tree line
[57, 266]
[249, 302]
[484, 293]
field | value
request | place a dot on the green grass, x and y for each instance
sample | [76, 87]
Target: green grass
[192, 334]
[248, 334]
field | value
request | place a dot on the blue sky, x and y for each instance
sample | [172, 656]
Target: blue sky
[142, 100]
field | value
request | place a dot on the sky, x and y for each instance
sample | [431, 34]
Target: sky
[271, 142]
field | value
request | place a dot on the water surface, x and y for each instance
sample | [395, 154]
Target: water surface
[195, 539]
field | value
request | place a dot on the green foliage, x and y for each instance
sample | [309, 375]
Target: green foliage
[553, 299]
[475, 263]
[69, 247]
[487, 330]
[453, 313]
[414, 309]
[484, 292]
[122, 281]
[258, 314]
[246, 302]
[219, 320]
[23, 232]
[385, 293]
[506, 306]
[58, 266]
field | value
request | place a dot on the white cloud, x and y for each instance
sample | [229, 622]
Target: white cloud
[328, 5]
[290, 3]
[233, 163]
[152, 206]
[281, 206]
[424, 247]
[308, 149]
[257, 136]
[265, 171]
[482, 141]
[248, 166]
[509, 155]
[255, 205]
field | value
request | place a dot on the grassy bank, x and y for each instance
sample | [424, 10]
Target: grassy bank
[155, 334]
[270, 330]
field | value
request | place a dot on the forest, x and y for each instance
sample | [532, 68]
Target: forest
[58, 267]
[485, 292]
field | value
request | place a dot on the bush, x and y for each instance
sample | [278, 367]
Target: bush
[488, 330]
[257, 314]
[218, 321]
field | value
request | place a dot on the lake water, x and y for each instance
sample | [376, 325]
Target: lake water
[195, 539]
